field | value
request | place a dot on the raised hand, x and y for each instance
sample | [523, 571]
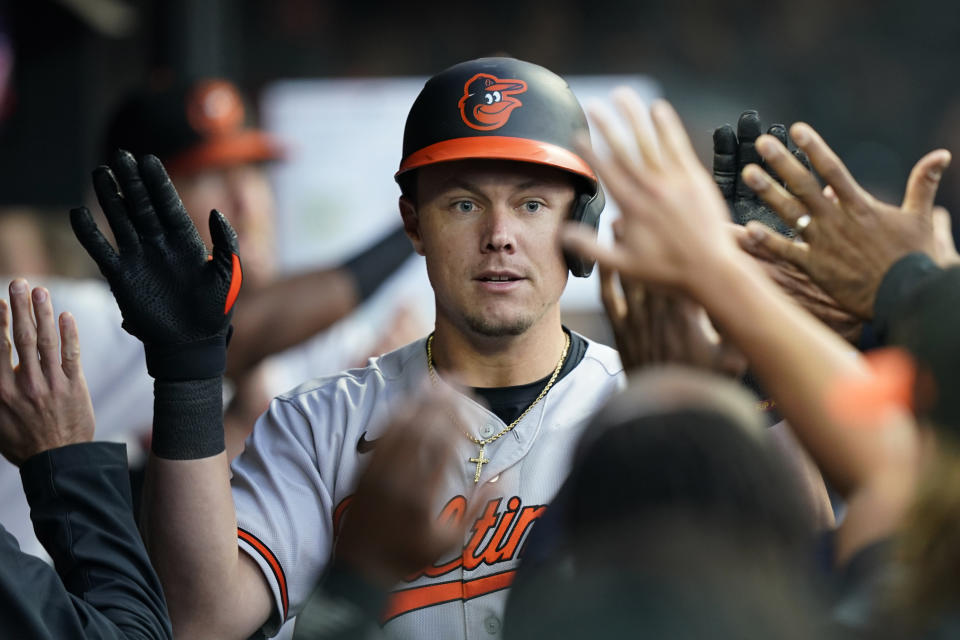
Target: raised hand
[674, 217]
[173, 296]
[652, 327]
[850, 238]
[732, 151]
[44, 402]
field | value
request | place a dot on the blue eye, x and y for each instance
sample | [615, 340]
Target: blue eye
[532, 206]
[465, 206]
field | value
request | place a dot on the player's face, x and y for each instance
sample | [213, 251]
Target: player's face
[243, 194]
[488, 230]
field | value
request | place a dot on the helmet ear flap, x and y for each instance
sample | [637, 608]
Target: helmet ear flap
[586, 211]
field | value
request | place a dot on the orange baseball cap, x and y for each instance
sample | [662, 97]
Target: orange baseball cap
[190, 126]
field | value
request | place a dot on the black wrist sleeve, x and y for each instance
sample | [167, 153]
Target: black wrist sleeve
[188, 418]
[900, 280]
[374, 265]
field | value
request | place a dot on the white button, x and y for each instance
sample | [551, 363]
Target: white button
[492, 625]
[494, 479]
[487, 431]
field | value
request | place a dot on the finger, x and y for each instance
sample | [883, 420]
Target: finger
[674, 142]
[748, 130]
[779, 132]
[783, 248]
[114, 208]
[613, 302]
[24, 331]
[6, 348]
[638, 115]
[622, 186]
[166, 201]
[618, 148]
[725, 160]
[924, 180]
[70, 346]
[783, 203]
[48, 344]
[829, 166]
[135, 194]
[584, 243]
[226, 256]
[796, 177]
[86, 231]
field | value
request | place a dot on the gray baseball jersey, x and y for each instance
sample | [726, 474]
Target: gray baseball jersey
[295, 478]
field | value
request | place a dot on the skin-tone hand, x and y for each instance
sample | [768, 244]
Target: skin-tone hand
[44, 402]
[676, 224]
[852, 238]
[652, 327]
[944, 250]
[391, 528]
[798, 285]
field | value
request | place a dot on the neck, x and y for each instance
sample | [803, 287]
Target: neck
[503, 361]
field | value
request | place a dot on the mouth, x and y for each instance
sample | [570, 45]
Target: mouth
[499, 280]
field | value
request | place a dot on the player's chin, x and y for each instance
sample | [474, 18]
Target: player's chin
[501, 322]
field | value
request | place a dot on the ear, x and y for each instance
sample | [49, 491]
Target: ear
[411, 223]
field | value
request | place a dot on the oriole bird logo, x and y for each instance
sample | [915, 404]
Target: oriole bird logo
[488, 101]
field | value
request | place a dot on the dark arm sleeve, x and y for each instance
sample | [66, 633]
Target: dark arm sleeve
[899, 283]
[375, 264]
[80, 505]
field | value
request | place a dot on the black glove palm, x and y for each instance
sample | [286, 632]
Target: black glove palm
[732, 151]
[174, 297]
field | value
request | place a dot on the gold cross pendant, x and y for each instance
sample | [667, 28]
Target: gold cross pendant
[480, 461]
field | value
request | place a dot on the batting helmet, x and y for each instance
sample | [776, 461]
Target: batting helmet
[502, 109]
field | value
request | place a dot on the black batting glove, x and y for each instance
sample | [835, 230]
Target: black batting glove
[732, 151]
[174, 296]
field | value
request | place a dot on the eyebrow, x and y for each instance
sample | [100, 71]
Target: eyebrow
[450, 183]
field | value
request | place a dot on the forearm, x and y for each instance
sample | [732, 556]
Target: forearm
[797, 359]
[286, 312]
[189, 519]
[191, 533]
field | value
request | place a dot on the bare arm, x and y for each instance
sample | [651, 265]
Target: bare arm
[290, 310]
[178, 299]
[190, 527]
[284, 313]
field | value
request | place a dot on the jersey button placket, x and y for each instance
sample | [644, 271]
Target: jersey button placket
[487, 431]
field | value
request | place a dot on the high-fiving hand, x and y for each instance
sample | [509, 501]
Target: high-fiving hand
[174, 297]
[850, 238]
[44, 402]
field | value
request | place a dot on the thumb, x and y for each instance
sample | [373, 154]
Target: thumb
[774, 245]
[924, 180]
[226, 256]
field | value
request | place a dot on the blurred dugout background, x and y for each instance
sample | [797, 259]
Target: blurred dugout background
[876, 77]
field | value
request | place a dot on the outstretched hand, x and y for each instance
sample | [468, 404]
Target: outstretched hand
[174, 297]
[652, 327]
[850, 239]
[44, 402]
[674, 217]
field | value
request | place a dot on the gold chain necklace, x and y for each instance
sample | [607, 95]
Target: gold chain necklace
[480, 460]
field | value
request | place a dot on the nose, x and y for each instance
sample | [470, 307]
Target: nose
[498, 232]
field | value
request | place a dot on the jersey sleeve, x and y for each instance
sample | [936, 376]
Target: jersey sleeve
[283, 505]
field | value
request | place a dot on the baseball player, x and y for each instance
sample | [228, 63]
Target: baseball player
[488, 177]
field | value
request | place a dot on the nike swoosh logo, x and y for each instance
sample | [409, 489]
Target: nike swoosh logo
[364, 445]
